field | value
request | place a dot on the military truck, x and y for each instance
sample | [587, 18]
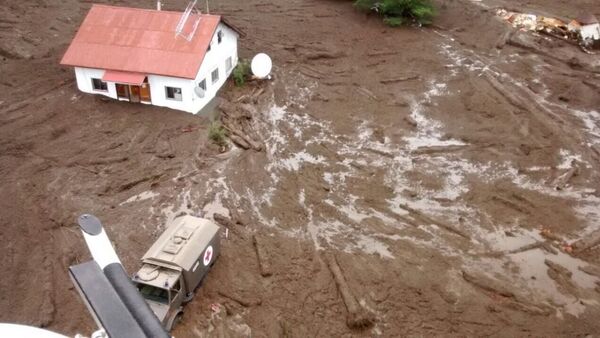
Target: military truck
[176, 264]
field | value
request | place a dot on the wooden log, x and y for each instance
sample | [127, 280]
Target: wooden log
[426, 219]
[243, 301]
[263, 259]
[400, 79]
[511, 300]
[358, 317]
[133, 183]
[107, 160]
[239, 142]
[224, 221]
[591, 270]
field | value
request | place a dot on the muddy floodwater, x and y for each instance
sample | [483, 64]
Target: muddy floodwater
[435, 181]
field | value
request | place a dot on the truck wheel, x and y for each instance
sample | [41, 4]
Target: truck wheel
[188, 297]
[174, 320]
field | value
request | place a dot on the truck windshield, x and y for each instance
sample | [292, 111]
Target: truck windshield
[153, 293]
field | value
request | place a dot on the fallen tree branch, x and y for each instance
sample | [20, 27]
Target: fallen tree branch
[358, 317]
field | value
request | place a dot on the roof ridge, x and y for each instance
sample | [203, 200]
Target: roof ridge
[149, 10]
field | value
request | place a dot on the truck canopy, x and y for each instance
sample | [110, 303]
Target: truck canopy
[182, 243]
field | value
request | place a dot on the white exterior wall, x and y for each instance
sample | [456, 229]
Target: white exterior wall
[84, 78]
[158, 93]
[591, 32]
[214, 59]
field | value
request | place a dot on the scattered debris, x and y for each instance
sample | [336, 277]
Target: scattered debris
[508, 298]
[585, 30]
[586, 243]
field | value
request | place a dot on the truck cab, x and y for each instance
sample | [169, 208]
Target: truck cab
[176, 264]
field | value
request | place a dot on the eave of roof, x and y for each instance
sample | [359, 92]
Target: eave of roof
[139, 40]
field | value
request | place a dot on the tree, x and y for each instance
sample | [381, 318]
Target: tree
[400, 12]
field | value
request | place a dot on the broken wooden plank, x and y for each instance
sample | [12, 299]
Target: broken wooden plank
[358, 317]
[263, 259]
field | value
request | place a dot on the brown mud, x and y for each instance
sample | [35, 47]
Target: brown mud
[447, 169]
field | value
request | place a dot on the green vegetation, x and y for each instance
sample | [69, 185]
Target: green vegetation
[242, 72]
[217, 134]
[400, 12]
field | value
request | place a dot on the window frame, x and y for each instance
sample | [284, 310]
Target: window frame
[103, 85]
[174, 90]
[228, 64]
[214, 80]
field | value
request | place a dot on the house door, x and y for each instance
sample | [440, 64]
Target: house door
[122, 91]
[134, 94]
[145, 92]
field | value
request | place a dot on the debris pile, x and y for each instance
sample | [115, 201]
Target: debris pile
[584, 30]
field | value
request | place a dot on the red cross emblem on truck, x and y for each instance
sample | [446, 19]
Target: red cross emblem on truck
[207, 255]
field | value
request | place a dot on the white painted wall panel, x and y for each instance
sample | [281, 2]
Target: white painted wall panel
[84, 78]
[591, 32]
[158, 93]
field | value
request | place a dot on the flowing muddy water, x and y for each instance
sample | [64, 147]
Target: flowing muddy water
[337, 215]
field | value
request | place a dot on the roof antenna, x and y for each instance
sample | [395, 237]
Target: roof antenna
[189, 10]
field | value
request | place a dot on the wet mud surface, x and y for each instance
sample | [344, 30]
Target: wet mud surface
[414, 181]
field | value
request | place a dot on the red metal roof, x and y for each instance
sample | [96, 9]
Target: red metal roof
[123, 77]
[140, 41]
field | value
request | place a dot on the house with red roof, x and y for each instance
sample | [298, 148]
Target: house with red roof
[169, 59]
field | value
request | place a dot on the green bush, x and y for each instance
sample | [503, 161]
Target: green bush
[242, 72]
[399, 12]
[217, 134]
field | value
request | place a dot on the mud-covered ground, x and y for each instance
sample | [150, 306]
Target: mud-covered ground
[449, 169]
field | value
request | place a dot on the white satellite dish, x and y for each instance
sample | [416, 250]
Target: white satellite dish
[199, 92]
[261, 65]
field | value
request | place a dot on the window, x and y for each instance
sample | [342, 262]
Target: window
[153, 293]
[215, 75]
[173, 93]
[202, 84]
[219, 36]
[228, 64]
[98, 84]
[208, 49]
